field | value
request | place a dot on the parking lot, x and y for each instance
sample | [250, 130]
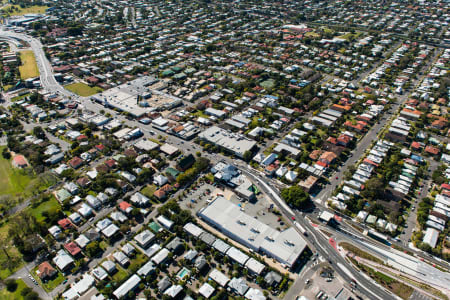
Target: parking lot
[322, 283]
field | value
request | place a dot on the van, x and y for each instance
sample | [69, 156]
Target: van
[319, 294]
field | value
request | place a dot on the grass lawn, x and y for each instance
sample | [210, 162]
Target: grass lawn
[402, 290]
[51, 284]
[103, 245]
[312, 34]
[321, 133]
[17, 98]
[138, 261]
[29, 68]
[210, 177]
[268, 84]
[327, 30]
[13, 181]
[148, 190]
[200, 113]
[83, 89]
[5, 295]
[12, 252]
[347, 36]
[7, 87]
[44, 206]
[120, 275]
[16, 10]
[360, 252]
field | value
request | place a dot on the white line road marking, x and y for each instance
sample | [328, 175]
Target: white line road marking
[343, 268]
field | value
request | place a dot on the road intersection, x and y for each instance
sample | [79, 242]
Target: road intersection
[317, 241]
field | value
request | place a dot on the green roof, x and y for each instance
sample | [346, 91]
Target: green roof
[172, 172]
[177, 69]
[154, 227]
[167, 73]
[62, 195]
[180, 76]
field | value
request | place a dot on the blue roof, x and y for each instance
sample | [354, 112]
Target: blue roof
[272, 96]
[417, 157]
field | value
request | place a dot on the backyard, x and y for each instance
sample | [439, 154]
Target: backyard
[149, 190]
[83, 89]
[50, 284]
[50, 206]
[29, 68]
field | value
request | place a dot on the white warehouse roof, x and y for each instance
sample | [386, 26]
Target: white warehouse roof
[285, 246]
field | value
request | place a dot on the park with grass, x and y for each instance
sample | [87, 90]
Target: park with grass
[16, 10]
[13, 293]
[83, 89]
[16, 185]
[13, 181]
[29, 68]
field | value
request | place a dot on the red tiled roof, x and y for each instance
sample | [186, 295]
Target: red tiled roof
[328, 157]
[65, 223]
[72, 248]
[432, 150]
[332, 140]
[366, 160]
[415, 145]
[124, 205]
[82, 137]
[159, 194]
[111, 163]
[75, 162]
[45, 270]
[322, 164]
[445, 186]
[19, 160]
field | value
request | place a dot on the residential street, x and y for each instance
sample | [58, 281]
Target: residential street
[322, 123]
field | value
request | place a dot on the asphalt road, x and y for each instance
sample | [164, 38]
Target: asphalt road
[318, 243]
[362, 146]
[315, 240]
[48, 82]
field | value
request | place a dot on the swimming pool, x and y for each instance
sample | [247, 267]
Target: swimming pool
[183, 273]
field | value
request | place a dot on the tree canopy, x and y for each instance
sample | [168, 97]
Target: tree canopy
[295, 196]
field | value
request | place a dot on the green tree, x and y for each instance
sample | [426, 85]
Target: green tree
[31, 296]
[11, 285]
[39, 132]
[248, 155]
[93, 249]
[295, 196]
[6, 154]
[374, 188]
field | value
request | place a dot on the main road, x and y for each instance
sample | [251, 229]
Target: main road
[315, 240]
[47, 78]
